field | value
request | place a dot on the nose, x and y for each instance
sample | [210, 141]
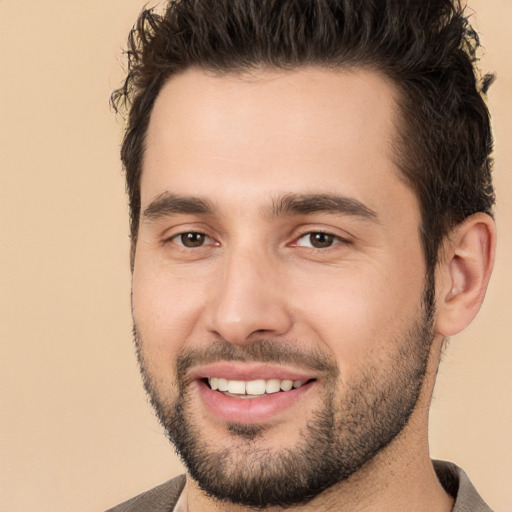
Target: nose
[250, 300]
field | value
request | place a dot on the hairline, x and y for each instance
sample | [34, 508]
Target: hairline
[245, 71]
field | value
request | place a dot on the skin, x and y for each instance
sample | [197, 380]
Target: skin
[242, 143]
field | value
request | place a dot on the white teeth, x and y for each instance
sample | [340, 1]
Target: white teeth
[253, 387]
[273, 386]
[222, 385]
[236, 387]
[286, 385]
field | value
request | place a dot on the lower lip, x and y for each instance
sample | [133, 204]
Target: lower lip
[250, 410]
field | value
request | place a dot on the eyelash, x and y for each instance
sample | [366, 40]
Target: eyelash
[334, 240]
[184, 233]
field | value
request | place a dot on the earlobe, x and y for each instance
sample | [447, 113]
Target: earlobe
[464, 272]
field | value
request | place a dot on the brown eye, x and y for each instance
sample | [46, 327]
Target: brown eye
[321, 240]
[317, 240]
[191, 239]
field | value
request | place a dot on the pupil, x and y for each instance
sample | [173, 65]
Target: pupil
[321, 240]
[192, 239]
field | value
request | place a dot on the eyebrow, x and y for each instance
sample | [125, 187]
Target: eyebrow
[306, 204]
[290, 204]
[169, 204]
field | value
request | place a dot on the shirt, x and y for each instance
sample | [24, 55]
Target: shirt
[169, 497]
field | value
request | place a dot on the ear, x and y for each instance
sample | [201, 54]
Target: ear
[463, 273]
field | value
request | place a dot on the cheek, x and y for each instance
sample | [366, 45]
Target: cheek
[166, 309]
[359, 316]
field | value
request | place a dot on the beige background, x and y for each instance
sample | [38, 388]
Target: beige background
[76, 433]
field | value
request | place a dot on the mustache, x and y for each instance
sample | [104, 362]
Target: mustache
[258, 351]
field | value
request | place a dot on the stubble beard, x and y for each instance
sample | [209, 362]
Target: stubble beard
[353, 423]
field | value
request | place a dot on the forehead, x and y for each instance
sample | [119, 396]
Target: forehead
[301, 131]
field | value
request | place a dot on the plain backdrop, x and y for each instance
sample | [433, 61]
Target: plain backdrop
[76, 432]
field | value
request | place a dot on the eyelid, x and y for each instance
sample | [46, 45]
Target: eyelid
[179, 235]
[171, 235]
[338, 239]
[178, 231]
[310, 229]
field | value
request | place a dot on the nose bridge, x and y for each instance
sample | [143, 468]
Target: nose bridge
[249, 297]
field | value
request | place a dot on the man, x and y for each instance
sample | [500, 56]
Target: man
[311, 203]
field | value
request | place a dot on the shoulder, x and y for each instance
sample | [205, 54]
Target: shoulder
[456, 482]
[159, 499]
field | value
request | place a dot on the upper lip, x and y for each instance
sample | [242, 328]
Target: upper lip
[248, 372]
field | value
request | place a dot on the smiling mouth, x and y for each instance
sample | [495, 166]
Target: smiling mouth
[253, 388]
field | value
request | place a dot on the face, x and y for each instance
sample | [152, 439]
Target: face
[279, 280]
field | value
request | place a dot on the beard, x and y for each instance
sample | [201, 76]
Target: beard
[352, 424]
